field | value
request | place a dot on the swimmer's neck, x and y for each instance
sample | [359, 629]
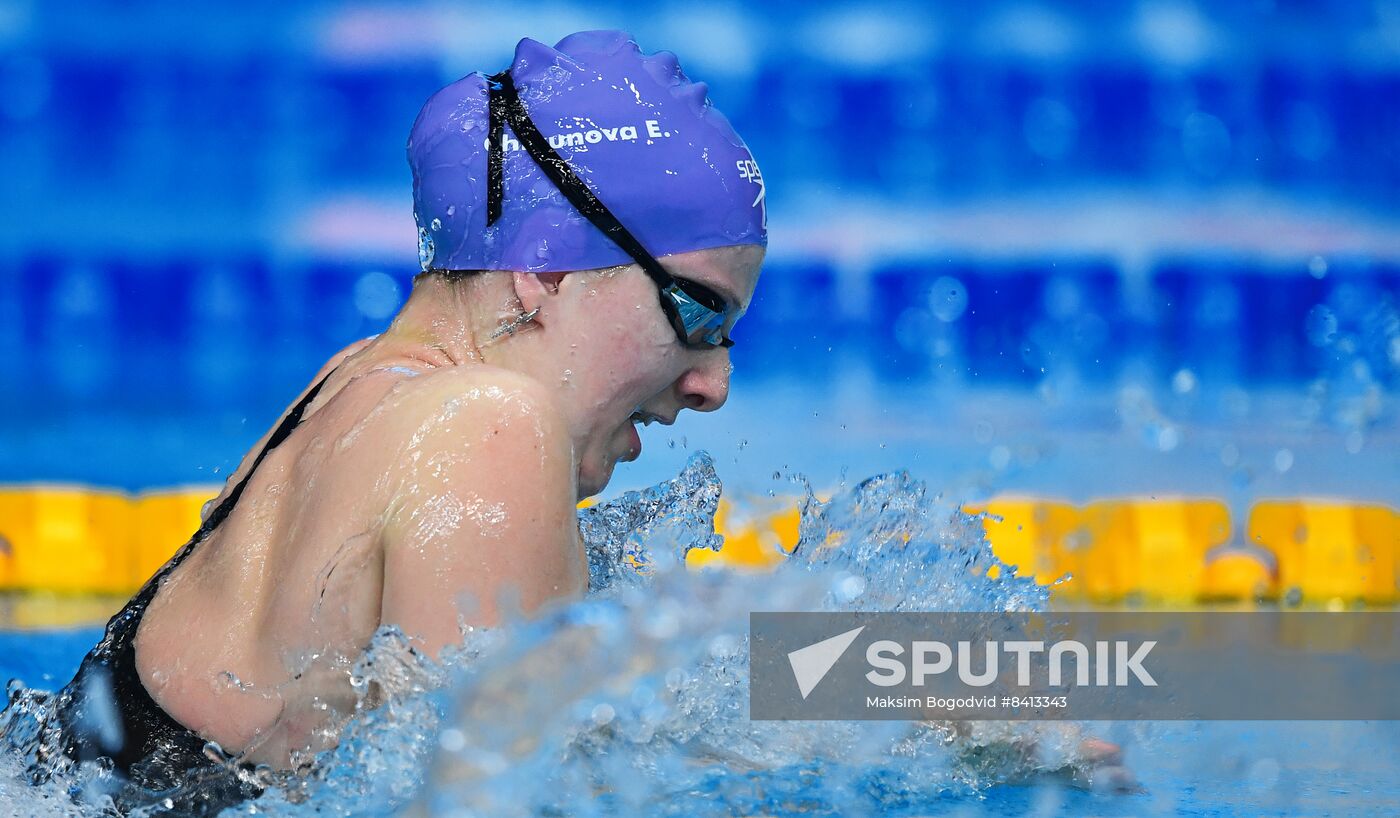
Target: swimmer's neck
[450, 323]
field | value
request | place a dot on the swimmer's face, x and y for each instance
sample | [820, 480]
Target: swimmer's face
[620, 354]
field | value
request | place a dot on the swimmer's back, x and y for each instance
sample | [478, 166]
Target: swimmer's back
[403, 484]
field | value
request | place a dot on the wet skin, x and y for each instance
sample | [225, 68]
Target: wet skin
[431, 484]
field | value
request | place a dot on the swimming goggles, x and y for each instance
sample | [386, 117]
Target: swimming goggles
[697, 313]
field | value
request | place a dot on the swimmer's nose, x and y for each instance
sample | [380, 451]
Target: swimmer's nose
[705, 386]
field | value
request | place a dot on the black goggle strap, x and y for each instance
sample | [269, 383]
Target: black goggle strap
[505, 106]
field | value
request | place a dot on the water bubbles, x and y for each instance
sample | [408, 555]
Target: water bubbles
[377, 295]
[1219, 306]
[1184, 382]
[1235, 402]
[452, 740]
[1063, 298]
[436, 224]
[947, 299]
[1140, 416]
[663, 622]
[1321, 325]
[1229, 455]
[1283, 460]
[426, 250]
[602, 714]
[724, 646]
[1205, 143]
[643, 696]
[1317, 267]
[848, 588]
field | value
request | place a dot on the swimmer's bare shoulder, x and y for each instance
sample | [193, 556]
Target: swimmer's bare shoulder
[246, 463]
[481, 501]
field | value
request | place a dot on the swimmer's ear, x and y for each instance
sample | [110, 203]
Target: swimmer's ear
[551, 280]
[533, 288]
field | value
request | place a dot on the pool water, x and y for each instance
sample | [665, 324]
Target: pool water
[650, 717]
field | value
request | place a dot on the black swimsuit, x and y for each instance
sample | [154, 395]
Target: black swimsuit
[152, 749]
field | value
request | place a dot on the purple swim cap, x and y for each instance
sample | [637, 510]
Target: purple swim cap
[634, 128]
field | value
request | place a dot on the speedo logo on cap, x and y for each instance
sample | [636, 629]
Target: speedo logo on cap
[748, 169]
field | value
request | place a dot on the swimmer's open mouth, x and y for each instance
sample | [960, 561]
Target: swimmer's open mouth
[647, 418]
[641, 418]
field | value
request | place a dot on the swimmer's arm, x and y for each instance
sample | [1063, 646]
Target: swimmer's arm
[485, 510]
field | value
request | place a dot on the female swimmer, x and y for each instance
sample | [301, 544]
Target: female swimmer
[591, 228]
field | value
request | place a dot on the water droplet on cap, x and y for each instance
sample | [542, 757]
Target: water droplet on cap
[425, 249]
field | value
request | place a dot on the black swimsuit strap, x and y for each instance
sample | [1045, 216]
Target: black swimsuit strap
[221, 511]
[146, 726]
[283, 430]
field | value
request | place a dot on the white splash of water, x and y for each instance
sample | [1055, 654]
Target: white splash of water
[635, 699]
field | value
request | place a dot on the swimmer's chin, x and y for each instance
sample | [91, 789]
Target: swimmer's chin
[591, 482]
[594, 480]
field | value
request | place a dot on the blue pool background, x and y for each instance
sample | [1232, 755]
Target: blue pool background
[1034, 205]
[1080, 249]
